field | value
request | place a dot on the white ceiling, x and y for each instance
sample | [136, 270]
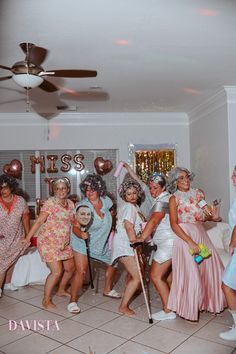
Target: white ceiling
[150, 55]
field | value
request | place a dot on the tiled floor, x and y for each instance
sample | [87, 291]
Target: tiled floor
[100, 329]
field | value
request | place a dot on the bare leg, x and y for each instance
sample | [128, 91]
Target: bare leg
[81, 266]
[230, 295]
[51, 281]
[2, 277]
[9, 274]
[159, 274]
[132, 285]
[69, 268]
[110, 273]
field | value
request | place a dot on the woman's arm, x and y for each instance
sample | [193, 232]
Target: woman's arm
[26, 222]
[78, 232]
[177, 229]
[232, 242]
[129, 228]
[151, 225]
[38, 222]
[131, 172]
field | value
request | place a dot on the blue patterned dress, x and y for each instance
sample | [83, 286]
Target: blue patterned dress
[98, 232]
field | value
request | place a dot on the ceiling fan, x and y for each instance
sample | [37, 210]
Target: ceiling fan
[29, 73]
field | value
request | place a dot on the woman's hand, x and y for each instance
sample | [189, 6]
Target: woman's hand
[84, 235]
[193, 246]
[207, 211]
[25, 241]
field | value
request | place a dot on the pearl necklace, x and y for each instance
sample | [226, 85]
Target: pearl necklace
[63, 203]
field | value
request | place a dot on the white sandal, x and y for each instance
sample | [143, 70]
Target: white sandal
[72, 307]
[113, 294]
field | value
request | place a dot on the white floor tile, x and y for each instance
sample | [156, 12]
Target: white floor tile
[160, 338]
[99, 342]
[33, 343]
[195, 345]
[125, 327]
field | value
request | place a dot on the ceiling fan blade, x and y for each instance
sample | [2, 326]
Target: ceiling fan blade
[26, 46]
[37, 55]
[74, 73]
[34, 54]
[5, 67]
[5, 78]
[48, 86]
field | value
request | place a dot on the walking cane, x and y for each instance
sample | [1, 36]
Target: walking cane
[135, 245]
[85, 219]
[89, 264]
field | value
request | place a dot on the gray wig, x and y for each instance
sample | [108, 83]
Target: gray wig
[174, 174]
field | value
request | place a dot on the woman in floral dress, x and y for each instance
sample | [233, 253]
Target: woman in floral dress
[14, 224]
[195, 287]
[55, 220]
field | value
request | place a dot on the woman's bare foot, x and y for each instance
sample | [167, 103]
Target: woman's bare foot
[126, 311]
[48, 304]
[63, 293]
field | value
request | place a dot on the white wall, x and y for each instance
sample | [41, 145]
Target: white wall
[231, 102]
[85, 131]
[209, 149]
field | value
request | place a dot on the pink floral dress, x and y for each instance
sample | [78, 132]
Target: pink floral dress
[195, 287]
[11, 232]
[54, 235]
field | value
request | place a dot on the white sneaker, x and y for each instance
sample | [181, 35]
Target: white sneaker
[10, 286]
[229, 335]
[162, 316]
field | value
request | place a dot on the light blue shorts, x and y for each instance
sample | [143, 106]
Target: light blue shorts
[229, 275]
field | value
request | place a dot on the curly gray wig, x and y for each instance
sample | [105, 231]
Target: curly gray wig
[174, 174]
[128, 183]
[95, 182]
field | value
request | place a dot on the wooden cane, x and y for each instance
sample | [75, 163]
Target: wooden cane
[141, 280]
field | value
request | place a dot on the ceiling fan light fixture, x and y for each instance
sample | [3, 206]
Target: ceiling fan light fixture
[27, 80]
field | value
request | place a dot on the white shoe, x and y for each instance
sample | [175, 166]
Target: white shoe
[229, 335]
[162, 316]
[10, 286]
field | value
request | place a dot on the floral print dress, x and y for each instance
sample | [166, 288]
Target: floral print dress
[54, 235]
[195, 287]
[11, 232]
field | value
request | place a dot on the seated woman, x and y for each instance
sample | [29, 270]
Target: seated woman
[94, 189]
[129, 223]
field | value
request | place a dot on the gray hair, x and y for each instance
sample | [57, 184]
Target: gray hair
[173, 176]
[64, 180]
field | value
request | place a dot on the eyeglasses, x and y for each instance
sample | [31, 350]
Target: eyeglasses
[182, 178]
[61, 188]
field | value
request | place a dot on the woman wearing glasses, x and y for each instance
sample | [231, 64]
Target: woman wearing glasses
[53, 241]
[195, 287]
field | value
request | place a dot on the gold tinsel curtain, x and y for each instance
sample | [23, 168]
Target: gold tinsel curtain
[149, 161]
